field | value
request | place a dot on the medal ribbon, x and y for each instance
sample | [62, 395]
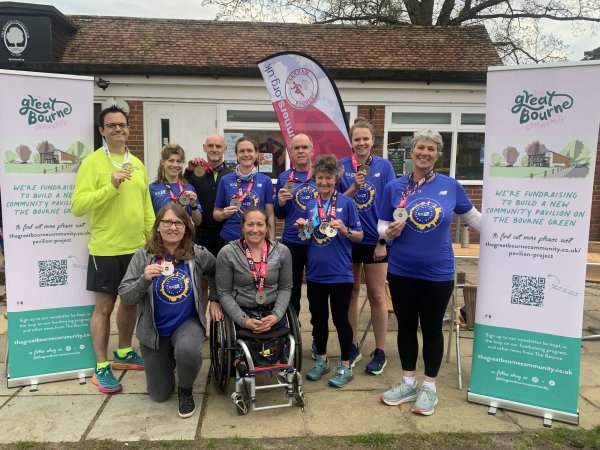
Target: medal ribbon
[330, 210]
[125, 159]
[259, 274]
[207, 167]
[241, 195]
[170, 189]
[356, 165]
[292, 176]
[406, 194]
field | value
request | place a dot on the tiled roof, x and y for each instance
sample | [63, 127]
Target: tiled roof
[166, 46]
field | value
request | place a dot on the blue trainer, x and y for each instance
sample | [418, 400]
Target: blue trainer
[106, 381]
[343, 375]
[319, 368]
[401, 393]
[426, 401]
[355, 355]
[377, 363]
[131, 361]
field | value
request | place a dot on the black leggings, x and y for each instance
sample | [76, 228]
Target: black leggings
[417, 300]
[339, 296]
[299, 254]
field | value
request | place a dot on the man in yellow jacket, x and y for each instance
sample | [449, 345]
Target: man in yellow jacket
[112, 185]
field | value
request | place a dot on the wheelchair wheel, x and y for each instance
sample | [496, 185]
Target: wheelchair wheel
[298, 392]
[294, 325]
[220, 353]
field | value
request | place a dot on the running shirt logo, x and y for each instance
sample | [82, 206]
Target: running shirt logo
[425, 216]
[174, 288]
[365, 197]
[303, 195]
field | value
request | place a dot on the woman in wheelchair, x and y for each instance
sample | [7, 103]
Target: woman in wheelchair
[164, 279]
[254, 277]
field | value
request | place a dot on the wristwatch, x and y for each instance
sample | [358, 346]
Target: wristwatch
[194, 208]
[349, 233]
[382, 242]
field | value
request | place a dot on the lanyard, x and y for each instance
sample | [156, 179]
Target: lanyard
[170, 189]
[259, 274]
[208, 168]
[406, 194]
[292, 177]
[241, 195]
[356, 165]
[125, 159]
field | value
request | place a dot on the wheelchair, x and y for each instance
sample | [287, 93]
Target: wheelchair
[246, 355]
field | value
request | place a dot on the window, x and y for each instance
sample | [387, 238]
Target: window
[462, 130]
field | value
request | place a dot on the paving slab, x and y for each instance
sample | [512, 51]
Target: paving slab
[47, 418]
[134, 417]
[225, 422]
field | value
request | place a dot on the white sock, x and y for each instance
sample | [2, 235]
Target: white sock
[430, 385]
[411, 381]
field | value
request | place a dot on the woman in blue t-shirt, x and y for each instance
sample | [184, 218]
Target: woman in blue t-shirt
[416, 212]
[331, 224]
[164, 280]
[241, 189]
[364, 177]
[170, 186]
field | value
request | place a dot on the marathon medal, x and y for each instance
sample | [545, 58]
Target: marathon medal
[261, 297]
[301, 234]
[289, 186]
[127, 167]
[364, 168]
[199, 171]
[310, 228]
[184, 199]
[235, 202]
[400, 215]
[323, 227]
[168, 268]
[330, 231]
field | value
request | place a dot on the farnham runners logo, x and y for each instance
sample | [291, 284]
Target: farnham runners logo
[15, 36]
[540, 108]
[44, 111]
[301, 88]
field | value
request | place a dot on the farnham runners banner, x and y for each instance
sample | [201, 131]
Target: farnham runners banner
[45, 131]
[540, 152]
[306, 100]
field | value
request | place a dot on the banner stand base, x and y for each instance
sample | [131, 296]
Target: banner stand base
[548, 415]
[34, 381]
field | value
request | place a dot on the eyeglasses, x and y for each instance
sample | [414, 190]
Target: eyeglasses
[301, 147]
[169, 223]
[112, 126]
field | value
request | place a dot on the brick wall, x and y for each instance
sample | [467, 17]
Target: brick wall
[595, 213]
[136, 129]
[376, 115]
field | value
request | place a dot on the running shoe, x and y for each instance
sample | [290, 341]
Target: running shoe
[426, 401]
[319, 368]
[106, 381]
[377, 363]
[401, 393]
[131, 361]
[343, 375]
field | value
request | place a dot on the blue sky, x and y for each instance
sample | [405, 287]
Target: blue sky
[192, 9]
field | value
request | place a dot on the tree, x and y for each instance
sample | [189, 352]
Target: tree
[592, 54]
[79, 150]
[525, 161]
[511, 154]
[15, 36]
[23, 152]
[516, 26]
[10, 156]
[536, 148]
[496, 159]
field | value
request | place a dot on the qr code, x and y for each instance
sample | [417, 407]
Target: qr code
[52, 272]
[527, 290]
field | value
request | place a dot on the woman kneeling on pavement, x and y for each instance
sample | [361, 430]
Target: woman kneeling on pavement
[331, 224]
[164, 279]
[416, 211]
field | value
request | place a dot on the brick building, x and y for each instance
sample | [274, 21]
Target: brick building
[183, 79]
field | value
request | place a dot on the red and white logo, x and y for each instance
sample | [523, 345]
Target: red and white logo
[301, 88]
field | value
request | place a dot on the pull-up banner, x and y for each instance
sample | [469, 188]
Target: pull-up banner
[306, 100]
[540, 152]
[46, 129]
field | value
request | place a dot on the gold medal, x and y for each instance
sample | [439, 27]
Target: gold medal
[323, 226]
[261, 297]
[199, 170]
[289, 186]
[400, 215]
[366, 169]
[168, 268]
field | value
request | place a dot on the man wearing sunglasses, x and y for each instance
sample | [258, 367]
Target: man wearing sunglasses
[112, 185]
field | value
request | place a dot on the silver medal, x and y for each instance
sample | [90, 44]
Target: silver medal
[400, 215]
[184, 199]
[235, 202]
[301, 234]
[127, 167]
[289, 186]
[323, 227]
[168, 268]
[310, 228]
[330, 231]
[261, 297]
